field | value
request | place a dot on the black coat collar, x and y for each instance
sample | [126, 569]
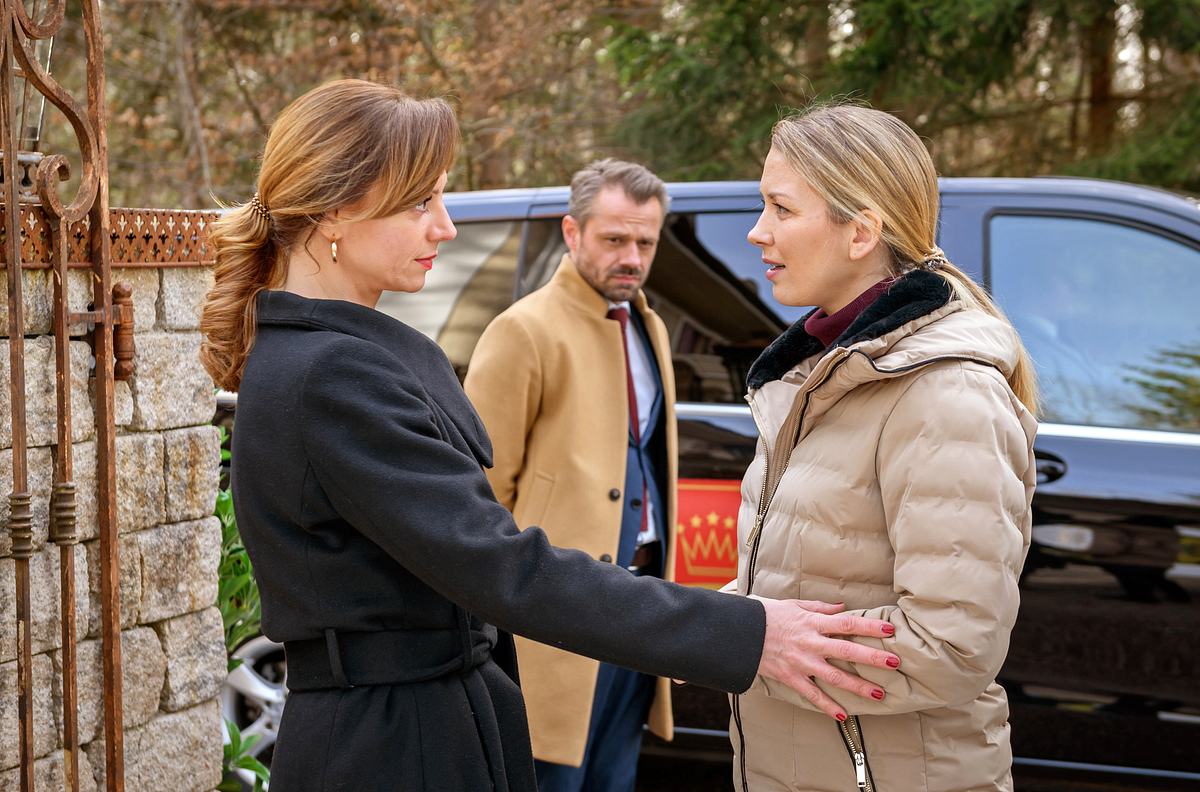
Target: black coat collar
[912, 296]
[285, 308]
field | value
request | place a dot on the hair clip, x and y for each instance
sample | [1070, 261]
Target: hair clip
[935, 259]
[259, 207]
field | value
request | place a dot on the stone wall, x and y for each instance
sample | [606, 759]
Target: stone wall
[172, 642]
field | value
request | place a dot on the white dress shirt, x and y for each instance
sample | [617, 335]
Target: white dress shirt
[645, 385]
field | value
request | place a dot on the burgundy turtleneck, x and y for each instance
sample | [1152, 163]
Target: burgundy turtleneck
[826, 328]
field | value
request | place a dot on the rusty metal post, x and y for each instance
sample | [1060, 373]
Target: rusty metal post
[91, 200]
[62, 508]
[51, 238]
[20, 517]
[106, 451]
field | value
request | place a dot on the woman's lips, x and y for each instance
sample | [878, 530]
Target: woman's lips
[427, 262]
[773, 269]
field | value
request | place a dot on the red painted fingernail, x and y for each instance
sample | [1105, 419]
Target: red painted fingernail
[877, 694]
[841, 716]
[893, 662]
[889, 629]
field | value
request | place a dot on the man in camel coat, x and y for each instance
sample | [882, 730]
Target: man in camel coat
[556, 379]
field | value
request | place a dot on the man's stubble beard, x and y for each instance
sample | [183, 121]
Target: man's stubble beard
[614, 294]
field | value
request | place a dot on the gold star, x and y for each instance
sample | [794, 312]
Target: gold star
[728, 522]
[696, 521]
[713, 518]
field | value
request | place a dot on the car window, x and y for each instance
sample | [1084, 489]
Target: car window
[724, 234]
[471, 282]
[544, 249]
[1108, 313]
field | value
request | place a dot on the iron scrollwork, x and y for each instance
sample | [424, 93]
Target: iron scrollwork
[18, 32]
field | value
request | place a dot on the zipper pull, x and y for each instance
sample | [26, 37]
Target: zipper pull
[860, 769]
[758, 523]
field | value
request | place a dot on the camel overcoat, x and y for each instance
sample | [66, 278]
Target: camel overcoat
[906, 496]
[547, 378]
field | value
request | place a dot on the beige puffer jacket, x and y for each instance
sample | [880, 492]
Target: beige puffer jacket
[907, 496]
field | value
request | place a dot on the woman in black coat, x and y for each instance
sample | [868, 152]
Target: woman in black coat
[382, 558]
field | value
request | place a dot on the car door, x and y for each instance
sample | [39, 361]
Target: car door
[1104, 667]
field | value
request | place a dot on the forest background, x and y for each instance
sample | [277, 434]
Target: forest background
[1107, 88]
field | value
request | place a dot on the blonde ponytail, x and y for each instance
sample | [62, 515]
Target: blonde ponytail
[1023, 379]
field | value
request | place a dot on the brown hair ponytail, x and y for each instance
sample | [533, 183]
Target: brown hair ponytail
[246, 265]
[327, 150]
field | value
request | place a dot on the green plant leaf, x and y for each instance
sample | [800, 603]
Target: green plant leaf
[241, 614]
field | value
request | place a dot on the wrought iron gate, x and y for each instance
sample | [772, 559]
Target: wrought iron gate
[87, 213]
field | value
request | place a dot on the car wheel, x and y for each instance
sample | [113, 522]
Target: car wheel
[253, 697]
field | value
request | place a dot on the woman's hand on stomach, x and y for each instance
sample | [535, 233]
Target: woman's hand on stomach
[800, 640]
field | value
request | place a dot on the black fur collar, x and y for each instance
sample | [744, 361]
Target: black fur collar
[912, 296]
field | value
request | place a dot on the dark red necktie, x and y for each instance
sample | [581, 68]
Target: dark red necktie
[621, 315]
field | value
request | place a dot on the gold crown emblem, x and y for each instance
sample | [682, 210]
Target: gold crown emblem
[706, 550]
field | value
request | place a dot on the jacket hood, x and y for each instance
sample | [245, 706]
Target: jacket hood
[915, 321]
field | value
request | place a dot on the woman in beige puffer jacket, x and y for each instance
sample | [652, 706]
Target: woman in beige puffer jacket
[894, 472]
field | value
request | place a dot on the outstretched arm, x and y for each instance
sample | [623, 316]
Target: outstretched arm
[445, 527]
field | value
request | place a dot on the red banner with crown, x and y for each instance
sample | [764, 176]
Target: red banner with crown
[706, 553]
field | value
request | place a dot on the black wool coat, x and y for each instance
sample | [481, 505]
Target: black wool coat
[383, 561]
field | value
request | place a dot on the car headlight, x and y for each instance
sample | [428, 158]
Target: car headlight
[1074, 538]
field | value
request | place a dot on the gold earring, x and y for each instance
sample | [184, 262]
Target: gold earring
[333, 249]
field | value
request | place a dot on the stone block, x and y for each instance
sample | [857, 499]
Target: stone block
[180, 751]
[143, 670]
[86, 498]
[140, 488]
[41, 406]
[36, 297]
[182, 296]
[170, 387]
[122, 403]
[192, 473]
[44, 729]
[44, 601]
[130, 583]
[48, 774]
[194, 645]
[80, 296]
[179, 568]
[145, 282]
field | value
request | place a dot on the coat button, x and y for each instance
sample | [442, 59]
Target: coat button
[606, 558]
[614, 494]
[636, 503]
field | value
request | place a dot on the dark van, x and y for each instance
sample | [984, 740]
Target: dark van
[1102, 280]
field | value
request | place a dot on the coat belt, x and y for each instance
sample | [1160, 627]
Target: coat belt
[386, 657]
